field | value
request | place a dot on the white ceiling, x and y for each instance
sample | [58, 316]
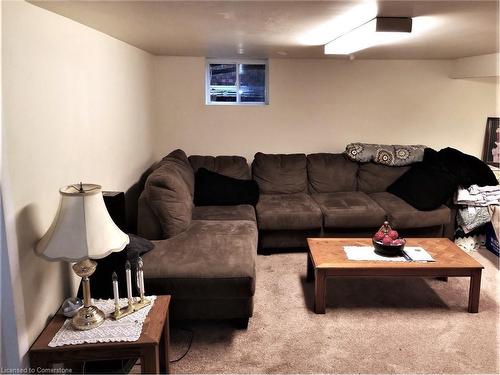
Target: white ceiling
[450, 29]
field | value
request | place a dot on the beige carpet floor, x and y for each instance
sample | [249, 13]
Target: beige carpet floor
[375, 325]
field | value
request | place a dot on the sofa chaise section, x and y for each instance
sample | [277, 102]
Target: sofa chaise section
[209, 269]
[203, 256]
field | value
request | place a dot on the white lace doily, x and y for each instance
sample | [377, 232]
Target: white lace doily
[128, 328]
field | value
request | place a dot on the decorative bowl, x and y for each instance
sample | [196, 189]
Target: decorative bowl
[388, 250]
[71, 306]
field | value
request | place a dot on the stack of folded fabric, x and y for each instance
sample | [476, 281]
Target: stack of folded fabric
[476, 202]
[477, 206]
[479, 196]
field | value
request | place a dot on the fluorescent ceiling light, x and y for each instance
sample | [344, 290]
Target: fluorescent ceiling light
[337, 26]
[378, 31]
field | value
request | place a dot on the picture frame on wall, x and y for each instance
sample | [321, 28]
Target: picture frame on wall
[491, 148]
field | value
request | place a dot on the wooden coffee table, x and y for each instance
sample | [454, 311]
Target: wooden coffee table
[327, 258]
[152, 346]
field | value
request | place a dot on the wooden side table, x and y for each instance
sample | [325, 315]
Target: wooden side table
[152, 346]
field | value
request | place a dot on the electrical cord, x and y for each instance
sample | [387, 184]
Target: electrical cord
[191, 336]
[189, 345]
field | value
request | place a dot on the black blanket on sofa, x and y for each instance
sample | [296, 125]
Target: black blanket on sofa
[467, 169]
[432, 182]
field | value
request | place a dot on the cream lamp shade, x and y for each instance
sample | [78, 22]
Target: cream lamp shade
[82, 228]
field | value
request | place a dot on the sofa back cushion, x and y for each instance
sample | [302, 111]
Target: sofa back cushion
[280, 173]
[231, 166]
[331, 173]
[148, 225]
[169, 194]
[179, 159]
[375, 178]
[215, 189]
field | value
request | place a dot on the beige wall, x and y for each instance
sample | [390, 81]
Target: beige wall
[76, 108]
[476, 66]
[321, 105]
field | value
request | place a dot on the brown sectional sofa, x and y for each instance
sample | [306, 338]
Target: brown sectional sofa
[205, 256]
[329, 195]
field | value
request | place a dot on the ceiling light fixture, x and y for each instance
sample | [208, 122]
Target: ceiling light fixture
[346, 20]
[378, 31]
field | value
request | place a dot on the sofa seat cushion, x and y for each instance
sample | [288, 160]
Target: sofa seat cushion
[401, 215]
[352, 209]
[288, 211]
[240, 212]
[212, 259]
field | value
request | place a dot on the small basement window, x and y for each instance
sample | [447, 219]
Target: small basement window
[236, 82]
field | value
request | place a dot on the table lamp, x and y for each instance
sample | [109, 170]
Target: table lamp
[81, 231]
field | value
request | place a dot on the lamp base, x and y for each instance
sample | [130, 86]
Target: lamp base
[88, 318]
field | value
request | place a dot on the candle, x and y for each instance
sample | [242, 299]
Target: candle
[115, 289]
[129, 280]
[137, 280]
[140, 264]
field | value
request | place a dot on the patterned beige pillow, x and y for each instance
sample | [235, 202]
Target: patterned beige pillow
[391, 155]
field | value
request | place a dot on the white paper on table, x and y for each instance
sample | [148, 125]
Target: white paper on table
[418, 254]
[368, 253]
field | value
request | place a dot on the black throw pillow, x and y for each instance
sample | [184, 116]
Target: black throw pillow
[424, 186]
[467, 169]
[214, 189]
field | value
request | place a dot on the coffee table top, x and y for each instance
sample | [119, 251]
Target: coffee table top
[329, 253]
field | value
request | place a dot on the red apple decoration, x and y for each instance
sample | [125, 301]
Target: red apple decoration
[393, 234]
[388, 236]
[379, 236]
[387, 240]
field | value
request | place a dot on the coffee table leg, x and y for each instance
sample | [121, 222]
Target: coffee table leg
[319, 291]
[310, 268]
[474, 291]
